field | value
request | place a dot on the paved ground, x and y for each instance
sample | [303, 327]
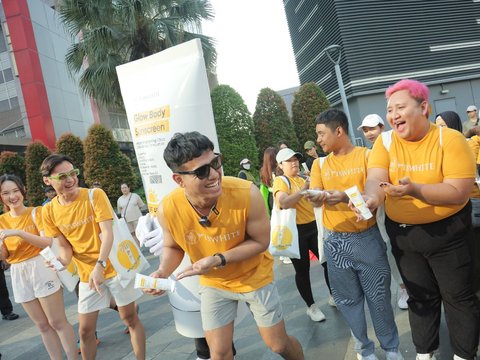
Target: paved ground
[19, 339]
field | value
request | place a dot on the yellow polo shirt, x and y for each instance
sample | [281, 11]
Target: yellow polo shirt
[78, 223]
[340, 172]
[424, 162]
[304, 208]
[474, 144]
[20, 250]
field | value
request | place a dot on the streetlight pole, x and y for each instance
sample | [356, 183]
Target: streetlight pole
[334, 53]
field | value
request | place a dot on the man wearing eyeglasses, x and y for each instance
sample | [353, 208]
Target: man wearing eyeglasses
[222, 224]
[77, 224]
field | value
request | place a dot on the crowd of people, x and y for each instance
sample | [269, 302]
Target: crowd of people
[418, 180]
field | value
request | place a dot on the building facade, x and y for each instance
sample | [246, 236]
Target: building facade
[39, 99]
[383, 41]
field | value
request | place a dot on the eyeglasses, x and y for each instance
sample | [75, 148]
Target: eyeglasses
[203, 171]
[63, 176]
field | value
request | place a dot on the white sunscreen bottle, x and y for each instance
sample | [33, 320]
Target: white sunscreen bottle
[148, 282]
[357, 199]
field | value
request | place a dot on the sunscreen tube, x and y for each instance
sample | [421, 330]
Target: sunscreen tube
[312, 192]
[148, 282]
[357, 199]
[305, 167]
[48, 255]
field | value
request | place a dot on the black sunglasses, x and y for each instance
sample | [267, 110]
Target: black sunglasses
[203, 171]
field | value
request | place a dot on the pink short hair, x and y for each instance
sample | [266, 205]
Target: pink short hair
[416, 89]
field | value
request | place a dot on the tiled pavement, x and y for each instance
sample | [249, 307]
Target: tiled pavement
[329, 340]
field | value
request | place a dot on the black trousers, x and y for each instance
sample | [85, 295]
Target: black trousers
[308, 240]
[436, 266]
[5, 303]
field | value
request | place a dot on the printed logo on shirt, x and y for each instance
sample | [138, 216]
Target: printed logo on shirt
[422, 167]
[65, 228]
[329, 173]
[192, 237]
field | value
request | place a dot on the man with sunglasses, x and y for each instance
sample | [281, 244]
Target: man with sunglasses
[77, 224]
[222, 224]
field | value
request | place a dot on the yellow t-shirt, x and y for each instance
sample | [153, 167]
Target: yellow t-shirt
[424, 162]
[304, 208]
[340, 172]
[78, 223]
[20, 250]
[227, 230]
[474, 143]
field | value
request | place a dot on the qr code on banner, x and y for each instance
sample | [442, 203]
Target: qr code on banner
[156, 179]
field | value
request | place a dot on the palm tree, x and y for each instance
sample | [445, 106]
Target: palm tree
[111, 33]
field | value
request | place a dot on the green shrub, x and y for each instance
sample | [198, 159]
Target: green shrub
[272, 122]
[234, 129]
[35, 153]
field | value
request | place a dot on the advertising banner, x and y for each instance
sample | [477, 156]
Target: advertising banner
[164, 94]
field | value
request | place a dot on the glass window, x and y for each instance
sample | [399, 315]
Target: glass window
[8, 74]
[4, 105]
[2, 80]
[3, 45]
[14, 102]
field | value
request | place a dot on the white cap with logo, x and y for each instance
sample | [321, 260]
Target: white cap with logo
[471, 108]
[371, 120]
[286, 154]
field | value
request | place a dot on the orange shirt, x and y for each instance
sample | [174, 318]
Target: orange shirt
[340, 172]
[20, 250]
[78, 223]
[425, 162]
[227, 230]
[304, 208]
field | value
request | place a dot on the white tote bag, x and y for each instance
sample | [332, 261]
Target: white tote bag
[319, 220]
[68, 277]
[126, 257]
[284, 233]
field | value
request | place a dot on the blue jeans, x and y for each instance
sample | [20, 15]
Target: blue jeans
[358, 270]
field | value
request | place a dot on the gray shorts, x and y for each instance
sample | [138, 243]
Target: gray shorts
[219, 307]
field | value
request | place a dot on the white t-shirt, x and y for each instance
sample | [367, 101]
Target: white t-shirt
[130, 210]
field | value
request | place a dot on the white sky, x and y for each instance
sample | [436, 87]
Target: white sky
[253, 46]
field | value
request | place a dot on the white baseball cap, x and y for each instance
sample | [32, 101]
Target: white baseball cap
[371, 120]
[471, 108]
[244, 161]
[285, 154]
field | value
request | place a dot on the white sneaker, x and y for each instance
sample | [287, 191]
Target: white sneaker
[315, 313]
[286, 260]
[331, 302]
[369, 357]
[402, 300]
[394, 355]
[426, 357]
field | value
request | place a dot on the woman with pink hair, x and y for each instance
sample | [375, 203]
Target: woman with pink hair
[424, 174]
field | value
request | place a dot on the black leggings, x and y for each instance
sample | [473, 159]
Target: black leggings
[5, 303]
[308, 240]
[203, 351]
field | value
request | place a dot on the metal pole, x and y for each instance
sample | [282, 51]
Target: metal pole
[344, 101]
